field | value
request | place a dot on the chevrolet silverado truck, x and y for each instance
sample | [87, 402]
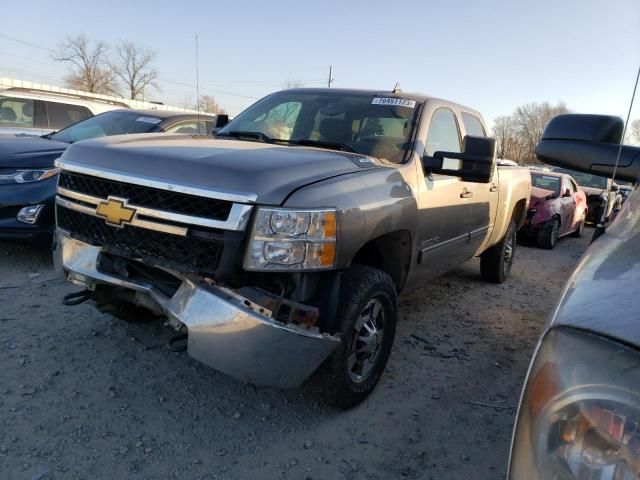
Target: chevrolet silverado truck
[279, 247]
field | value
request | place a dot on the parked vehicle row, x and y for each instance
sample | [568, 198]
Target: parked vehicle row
[294, 229]
[28, 177]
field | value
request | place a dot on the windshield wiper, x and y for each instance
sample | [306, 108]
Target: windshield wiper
[47, 136]
[239, 133]
[322, 144]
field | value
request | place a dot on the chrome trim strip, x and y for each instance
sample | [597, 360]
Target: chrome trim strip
[446, 243]
[135, 222]
[480, 231]
[231, 196]
[238, 216]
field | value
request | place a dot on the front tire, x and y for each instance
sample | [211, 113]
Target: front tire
[367, 313]
[548, 237]
[496, 262]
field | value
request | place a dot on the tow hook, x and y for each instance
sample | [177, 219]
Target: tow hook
[77, 298]
[178, 343]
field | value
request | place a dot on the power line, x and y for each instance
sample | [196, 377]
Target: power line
[29, 44]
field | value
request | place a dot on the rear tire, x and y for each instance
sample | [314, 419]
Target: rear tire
[367, 312]
[548, 236]
[496, 262]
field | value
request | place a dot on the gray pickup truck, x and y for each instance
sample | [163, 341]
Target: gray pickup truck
[279, 247]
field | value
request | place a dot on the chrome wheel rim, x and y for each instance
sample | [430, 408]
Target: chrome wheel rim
[366, 343]
[509, 250]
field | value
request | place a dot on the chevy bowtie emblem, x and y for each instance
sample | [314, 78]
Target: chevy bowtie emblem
[115, 211]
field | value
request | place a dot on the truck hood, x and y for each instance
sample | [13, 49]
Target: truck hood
[23, 151]
[263, 171]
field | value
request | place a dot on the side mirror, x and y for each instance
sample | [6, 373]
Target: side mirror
[567, 193]
[615, 187]
[478, 160]
[590, 144]
[221, 120]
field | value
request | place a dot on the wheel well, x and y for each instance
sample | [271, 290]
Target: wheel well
[390, 253]
[519, 213]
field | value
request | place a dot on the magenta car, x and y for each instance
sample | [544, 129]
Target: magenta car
[557, 207]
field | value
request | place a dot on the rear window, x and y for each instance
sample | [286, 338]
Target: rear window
[16, 112]
[547, 182]
[473, 125]
[62, 115]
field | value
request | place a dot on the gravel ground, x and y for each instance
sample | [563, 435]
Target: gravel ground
[86, 396]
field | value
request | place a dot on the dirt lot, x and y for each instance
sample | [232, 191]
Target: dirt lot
[86, 396]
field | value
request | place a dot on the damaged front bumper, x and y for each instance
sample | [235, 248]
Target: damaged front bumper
[225, 330]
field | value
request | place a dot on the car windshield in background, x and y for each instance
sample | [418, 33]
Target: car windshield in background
[107, 124]
[547, 182]
[586, 179]
[370, 124]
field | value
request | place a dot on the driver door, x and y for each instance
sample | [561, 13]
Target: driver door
[443, 203]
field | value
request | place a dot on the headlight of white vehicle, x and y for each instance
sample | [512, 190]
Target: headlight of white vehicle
[11, 175]
[292, 239]
[580, 413]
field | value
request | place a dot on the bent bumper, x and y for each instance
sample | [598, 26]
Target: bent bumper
[226, 331]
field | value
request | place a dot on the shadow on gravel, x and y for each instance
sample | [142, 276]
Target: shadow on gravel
[29, 254]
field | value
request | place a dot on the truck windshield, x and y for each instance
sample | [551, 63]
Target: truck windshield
[110, 123]
[379, 125]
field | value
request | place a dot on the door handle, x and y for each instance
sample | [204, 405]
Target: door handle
[466, 194]
[493, 188]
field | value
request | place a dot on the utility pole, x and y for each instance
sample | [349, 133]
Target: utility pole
[330, 76]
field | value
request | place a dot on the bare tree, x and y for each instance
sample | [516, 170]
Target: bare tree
[208, 104]
[518, 134]
[90, 70]
[633, 132]
[504, 132]
[134, 67]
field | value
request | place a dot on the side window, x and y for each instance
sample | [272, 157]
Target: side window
[473, 125]
[566, 185]
[16, 112]
[62, 115]
[574, 185]
[444, 136]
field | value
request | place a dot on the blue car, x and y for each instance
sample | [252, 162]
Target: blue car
[28, 176]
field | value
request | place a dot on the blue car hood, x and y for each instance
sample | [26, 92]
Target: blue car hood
[22, 151]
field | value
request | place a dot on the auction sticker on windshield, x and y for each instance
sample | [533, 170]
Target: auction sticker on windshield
[397, 102]
[153, 120]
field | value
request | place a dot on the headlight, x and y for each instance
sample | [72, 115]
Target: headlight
[26, 176]
[580, 412]
[284, 239]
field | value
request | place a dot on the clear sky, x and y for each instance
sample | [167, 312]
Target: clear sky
[491, 55]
